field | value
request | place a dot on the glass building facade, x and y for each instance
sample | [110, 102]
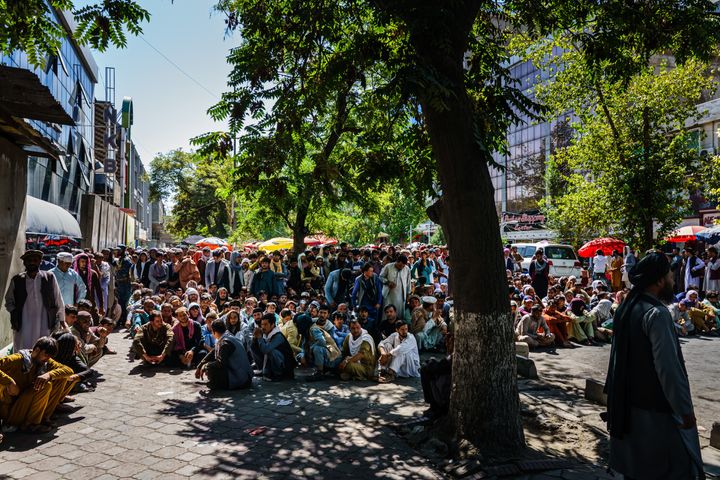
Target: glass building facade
[525, 139]
[70, 75]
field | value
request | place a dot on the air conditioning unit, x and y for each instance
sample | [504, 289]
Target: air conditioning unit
[707, 152]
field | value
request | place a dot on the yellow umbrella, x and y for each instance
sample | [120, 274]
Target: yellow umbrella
[278, 243]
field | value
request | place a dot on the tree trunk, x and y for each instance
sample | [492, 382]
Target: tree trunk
[300, 229]
[484, 400]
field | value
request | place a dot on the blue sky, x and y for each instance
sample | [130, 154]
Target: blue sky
[169, 107]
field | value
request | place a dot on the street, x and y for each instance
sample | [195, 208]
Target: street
[574, 366]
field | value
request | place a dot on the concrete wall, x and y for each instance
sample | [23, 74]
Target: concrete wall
[13, 187]
[103, 225]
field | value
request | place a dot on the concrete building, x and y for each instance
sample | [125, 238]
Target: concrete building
[48, 165]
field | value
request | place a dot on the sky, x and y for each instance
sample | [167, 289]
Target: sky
[170, 108]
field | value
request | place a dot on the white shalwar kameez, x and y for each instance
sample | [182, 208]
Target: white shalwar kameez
[405, 360]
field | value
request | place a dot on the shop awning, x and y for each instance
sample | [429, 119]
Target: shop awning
[45, 218]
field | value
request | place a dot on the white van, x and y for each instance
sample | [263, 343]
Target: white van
[563, 260]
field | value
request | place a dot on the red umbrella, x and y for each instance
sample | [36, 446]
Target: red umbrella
[319, 239]
[212, 243]
[607, 245]
[685, 234]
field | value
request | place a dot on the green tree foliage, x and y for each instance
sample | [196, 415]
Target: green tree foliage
[310, 133]
[198, 191]
[627, 169]
[31, 25]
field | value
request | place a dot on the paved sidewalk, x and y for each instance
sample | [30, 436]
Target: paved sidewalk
[147, 424]
[143, 423]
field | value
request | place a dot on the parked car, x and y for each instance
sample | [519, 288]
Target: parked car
[563, 260]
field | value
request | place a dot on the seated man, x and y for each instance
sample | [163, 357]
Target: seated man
[92, 345]
[387, 326]
[358, 352]
[435, 327]
[188, 349]
[32, 385]
[142, 316]
[399, 356]
[340, 330]
[529, 326]
[681, 318]
[271, 351]
[69, 349]
[324, 318]
[289, 329]
[228, 367]
[154, 341]
[324, 352]
[558, 321]
[582, 326]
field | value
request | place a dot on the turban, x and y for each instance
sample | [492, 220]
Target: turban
[649, 270]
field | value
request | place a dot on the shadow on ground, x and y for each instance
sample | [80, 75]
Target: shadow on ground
[326, 430]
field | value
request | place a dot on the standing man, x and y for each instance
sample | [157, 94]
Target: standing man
[217, 271]
[368, 293]
[395, 278]
[540, 273]
[694, 270]
[72, 287]
[123, 289]
[34, 301]
[600, 265]
[653, 433]
[676, 265]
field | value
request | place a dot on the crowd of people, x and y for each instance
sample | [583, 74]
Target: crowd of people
[567, 312]
[342, 312]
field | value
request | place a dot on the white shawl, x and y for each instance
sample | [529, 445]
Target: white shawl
[356, 344]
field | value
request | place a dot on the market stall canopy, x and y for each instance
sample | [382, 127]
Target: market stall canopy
[44, 218]
[710, 235]
[278, 243]
[212, 243]
[685, 234]
[192, 239]
[607, 245]
[320, 239]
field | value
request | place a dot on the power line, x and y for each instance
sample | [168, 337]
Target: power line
[215, 96]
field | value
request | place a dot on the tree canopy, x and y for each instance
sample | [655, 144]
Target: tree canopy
[31, 26]
[627, 170]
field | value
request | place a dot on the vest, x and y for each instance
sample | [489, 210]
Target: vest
[20, 295]
[645, 389]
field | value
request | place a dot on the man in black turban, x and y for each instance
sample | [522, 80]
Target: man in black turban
[650, 417]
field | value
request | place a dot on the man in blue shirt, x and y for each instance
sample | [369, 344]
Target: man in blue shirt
[72, 287]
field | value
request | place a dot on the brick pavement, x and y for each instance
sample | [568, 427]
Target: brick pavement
[143, 423]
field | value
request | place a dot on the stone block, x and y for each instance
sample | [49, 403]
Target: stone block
[715, 435]
[522, 349]
[594, 391]
[526, 367]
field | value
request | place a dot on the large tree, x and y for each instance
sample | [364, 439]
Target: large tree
[450, 58]
[30, 25]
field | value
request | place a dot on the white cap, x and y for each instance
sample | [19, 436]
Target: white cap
[65, 257]
[428, 299]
